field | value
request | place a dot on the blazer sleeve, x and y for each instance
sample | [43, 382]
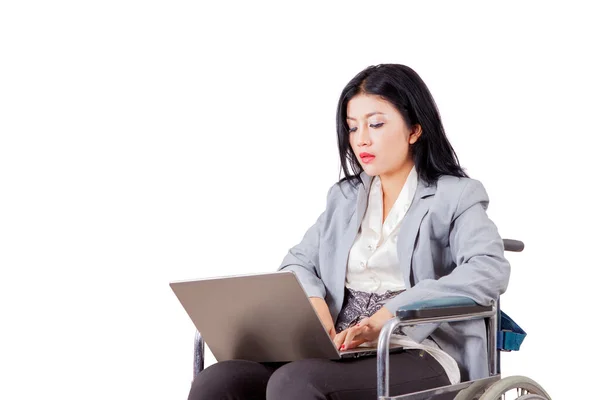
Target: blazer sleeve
[303, 258]
[481, 272]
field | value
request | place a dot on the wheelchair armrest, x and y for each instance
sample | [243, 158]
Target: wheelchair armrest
[443, 309]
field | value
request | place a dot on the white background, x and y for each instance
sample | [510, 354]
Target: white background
[149, 141]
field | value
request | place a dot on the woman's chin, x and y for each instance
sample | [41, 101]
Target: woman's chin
[370, 169]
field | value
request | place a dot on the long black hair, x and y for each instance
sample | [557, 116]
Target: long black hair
[405, 90]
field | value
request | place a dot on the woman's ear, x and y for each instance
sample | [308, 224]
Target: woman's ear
[415, 134]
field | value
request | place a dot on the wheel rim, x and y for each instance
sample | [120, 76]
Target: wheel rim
[515, 388]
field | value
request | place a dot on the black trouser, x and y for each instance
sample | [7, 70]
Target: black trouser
[316, 379]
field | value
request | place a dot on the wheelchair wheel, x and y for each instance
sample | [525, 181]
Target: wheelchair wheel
[523, 388]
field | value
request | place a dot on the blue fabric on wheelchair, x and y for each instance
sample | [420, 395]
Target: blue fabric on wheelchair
[510, 334]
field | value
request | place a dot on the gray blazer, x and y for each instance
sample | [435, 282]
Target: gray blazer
[447, 246]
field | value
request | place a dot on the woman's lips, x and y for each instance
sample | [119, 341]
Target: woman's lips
[367, 158]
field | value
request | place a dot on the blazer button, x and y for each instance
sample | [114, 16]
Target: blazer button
[362, 264]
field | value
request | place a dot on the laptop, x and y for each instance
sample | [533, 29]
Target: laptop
[260, 317]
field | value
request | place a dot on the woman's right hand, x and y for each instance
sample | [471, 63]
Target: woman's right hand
[324, 315]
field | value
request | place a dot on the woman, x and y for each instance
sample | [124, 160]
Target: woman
[405, 224]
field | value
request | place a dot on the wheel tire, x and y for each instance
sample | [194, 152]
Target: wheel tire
[495, 391]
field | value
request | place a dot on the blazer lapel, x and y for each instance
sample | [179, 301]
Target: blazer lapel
[347, 240]
[409, 228]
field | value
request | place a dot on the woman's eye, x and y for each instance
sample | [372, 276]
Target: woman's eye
[379, 125]
[352, 130]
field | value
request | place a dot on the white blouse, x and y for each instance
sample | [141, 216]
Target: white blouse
[373, 260]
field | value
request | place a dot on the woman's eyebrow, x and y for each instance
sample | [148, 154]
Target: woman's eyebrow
[366, 116]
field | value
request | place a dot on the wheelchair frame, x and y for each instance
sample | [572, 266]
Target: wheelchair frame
[490, 313]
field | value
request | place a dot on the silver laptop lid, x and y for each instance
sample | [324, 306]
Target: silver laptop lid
[260, 317]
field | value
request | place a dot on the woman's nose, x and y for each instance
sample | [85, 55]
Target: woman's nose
[362, 135]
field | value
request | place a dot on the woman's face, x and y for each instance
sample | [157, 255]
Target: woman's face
[379, 136]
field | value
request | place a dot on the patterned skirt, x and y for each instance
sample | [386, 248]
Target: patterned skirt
[358, 305]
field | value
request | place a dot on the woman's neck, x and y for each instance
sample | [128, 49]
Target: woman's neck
[393, 182]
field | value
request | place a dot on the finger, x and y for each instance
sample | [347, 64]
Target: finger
[355, 343]
[353, 333]
[339, 338]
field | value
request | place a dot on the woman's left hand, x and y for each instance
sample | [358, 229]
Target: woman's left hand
[367, 330]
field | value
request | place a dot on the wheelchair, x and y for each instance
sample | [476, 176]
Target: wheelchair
[503, 335]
